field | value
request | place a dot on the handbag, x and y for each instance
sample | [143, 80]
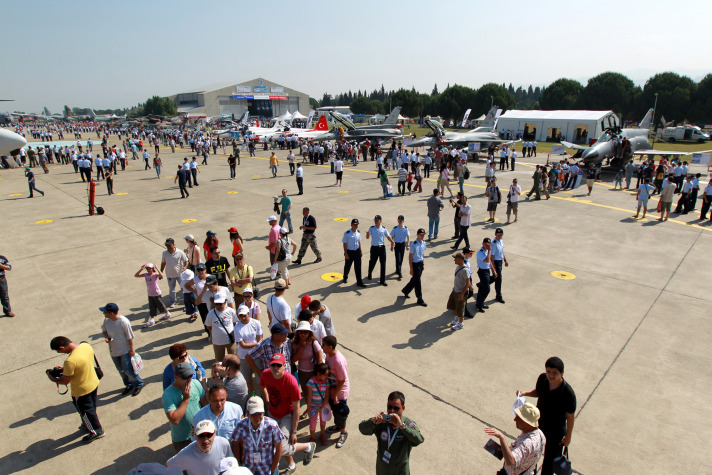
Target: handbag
[136, 363]
[97, 366]
[230, 335]
[660, 205]
[273, 271]
[562, 464]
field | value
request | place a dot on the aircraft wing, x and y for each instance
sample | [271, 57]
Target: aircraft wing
[666, 152]
[573, 145]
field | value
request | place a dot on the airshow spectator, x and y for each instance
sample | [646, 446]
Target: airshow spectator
[522, 456]
[181, 401]
[151, 276]
[178, 353]
[119, 335]
[203, 456]
[339, 395]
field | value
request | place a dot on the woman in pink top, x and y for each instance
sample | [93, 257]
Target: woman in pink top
[152, 275]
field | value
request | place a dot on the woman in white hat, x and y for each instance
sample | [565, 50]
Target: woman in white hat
[307, 352]
[290, 248]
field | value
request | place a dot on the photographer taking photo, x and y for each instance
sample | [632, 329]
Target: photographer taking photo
[78, 372]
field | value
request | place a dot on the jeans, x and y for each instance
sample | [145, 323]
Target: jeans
[232, 171]
[433, 223]
[158, 170]
[463, 235]
[172, 281]
[189, 301]
[125, 369]
[461, 182]
[288, 217]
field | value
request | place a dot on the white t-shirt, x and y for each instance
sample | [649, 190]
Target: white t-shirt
[246, 332]
[514, 197]
[338, 166]
[467, 219]
[194, 462]
[279, 309]
[209, 295]
[219, 334]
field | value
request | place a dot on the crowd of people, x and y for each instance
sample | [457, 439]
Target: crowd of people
[249, 403]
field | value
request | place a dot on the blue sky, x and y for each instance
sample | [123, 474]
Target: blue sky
[116, 54]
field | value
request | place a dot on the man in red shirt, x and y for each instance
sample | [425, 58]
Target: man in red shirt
[281, 394]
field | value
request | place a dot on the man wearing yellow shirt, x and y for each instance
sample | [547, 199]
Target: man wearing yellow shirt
[78, 372]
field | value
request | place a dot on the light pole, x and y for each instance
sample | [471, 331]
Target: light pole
[655, 106]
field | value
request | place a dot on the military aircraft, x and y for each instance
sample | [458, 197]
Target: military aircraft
[485, 133]
[321, 127]
[607, 146]
[10, 141]
[349, 131]
[391, 120]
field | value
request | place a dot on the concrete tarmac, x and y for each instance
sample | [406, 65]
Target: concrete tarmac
[630, 325]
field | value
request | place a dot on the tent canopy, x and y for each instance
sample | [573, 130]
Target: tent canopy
[297, 115]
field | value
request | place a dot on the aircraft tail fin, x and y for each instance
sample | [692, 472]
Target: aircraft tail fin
[321, 124]
[491, 119]
[645, 123]
[46, 112]
[67, 112]
[92, 114]
[392, 118]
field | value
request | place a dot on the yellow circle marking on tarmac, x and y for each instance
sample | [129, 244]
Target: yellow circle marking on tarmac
[15, 194]
[256, 176]
[232, 192]
[341, 219]
[347, 175]
[189, 220]
[122, 193]
[169, 176]
[559, 274]
[343, 191]
[56, 168]
[332, 276]
[44, 221]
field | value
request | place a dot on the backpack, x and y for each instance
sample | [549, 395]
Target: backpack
[466, 174]
[283, 249]
[499, 195]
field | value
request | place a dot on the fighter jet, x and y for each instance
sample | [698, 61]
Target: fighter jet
[607, 145]
[10, 141]
[349, 131]
[321, 127]
[483, 134]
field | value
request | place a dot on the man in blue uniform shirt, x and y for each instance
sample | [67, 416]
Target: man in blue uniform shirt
[378, 235]
[484, 266]
[498, 258]
[415, 259]
[401, 236]
[352, 252]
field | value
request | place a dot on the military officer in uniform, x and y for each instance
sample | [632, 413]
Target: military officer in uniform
[352, 252]
[378, 235]
[415, 259]
[401, 236]
[498, 258]
[484, 265]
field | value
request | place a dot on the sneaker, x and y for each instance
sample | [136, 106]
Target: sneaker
[126, 390]
[332, 429]
[454, 322]
[149, 323]
[166, 316]
[318, 259]
[173, 305]
[309, 455]
[459, 326]
[297, 262]
[288, 471]
[87, 439]
[137, 391]
[342, 440]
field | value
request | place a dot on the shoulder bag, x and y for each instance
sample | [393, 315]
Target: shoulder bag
[230, 335]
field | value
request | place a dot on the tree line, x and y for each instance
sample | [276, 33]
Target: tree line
[679, 98]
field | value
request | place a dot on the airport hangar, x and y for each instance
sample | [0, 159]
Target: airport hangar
[259, 97]
[577, 126]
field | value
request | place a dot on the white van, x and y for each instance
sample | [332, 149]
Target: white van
[684, 132]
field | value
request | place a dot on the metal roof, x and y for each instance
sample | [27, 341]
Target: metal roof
[555, 115]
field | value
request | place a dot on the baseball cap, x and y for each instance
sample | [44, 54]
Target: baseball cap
[150, 265]
[189, 237]
[232, 230]
[200, 266]
[210, 233]
[219, 298]
[278, 328]
[211, 279]
[184, 370]
[187, 275]
[170, 241]
[306, 300]
[255, 405]
[205, 426]
[243, 310]
[109, 307]
[278, 358]
[283, 231]
[248, 290]
[354, 221]
[280, 284]
[272, 218]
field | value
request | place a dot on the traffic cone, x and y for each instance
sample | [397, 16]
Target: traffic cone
[547, 159]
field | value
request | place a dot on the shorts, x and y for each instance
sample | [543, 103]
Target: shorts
[339, 175]
[457, 306]
[589, 182]
[512, 207]
[285, 425]
[274, 168]
[492, 206]
[642, 202]
[667, 206]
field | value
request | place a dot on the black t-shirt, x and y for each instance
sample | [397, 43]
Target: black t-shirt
[591, 173]
[554, 406]
[219, 269]
[309, 222]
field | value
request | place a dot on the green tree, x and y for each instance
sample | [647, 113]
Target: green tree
[410, 101]
[610, 91]
[562, 94]
[492, 93]
[435, 90]
[325, 100]
[160, 106]
[364, 105]
[701, 110]
[454, 101]
[313, 103]
[675, 94]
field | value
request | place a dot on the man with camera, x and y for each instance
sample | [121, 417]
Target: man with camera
[78, 372]
[396, 434]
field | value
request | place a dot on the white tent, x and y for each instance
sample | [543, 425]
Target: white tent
[286, 116]
[572, 125]
[297, 115]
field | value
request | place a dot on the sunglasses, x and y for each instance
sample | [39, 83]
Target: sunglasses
[183, 356]
[205, 435]
[393, 408]
[275, 365]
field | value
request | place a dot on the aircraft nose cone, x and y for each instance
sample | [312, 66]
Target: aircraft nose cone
[590, 154]
[10, 141]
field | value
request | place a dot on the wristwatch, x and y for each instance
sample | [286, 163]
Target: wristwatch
[402, 426]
